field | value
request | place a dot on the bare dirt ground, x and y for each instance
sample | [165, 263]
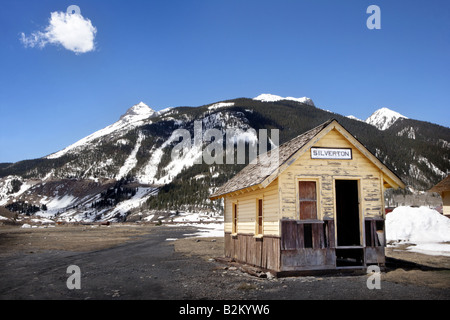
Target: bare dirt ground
[77, 238]
[128, 261]
[416, 268]
[403, 266]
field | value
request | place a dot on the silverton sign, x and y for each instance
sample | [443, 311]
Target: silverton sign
[331, 153]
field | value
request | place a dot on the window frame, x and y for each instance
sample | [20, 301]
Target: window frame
[234, 218]
[259, 221]
[298, 201]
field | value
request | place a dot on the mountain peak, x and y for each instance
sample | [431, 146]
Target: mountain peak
[140, 110]
[267, 97]
[133, 117]
[384, 118]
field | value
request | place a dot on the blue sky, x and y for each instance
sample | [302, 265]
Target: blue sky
[194, 52]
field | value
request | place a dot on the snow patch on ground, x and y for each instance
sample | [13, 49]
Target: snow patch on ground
[425, 229]
[208, 230]
[208, 225]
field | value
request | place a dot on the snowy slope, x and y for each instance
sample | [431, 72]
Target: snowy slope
[138, 147]
[152, 174]
[134, 117]
[354, 118]
[384, 118]
[6, 188]
[267, 97]
[140, 111]
[131, 161]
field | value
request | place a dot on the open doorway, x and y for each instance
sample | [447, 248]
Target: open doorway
[349, 250]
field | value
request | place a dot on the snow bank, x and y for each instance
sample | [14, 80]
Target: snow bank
[208, 225]
[195, 217]
[424, 228]
[43, 221]
[208, 230]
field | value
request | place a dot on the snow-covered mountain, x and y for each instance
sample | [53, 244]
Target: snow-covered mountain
[267, 97]
[134, 117]
[140, 111]
[353, 118]
[384, 118]
[126, 170]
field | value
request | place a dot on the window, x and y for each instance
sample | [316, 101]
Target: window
[259, 217]
[307, 200]
[234, 218]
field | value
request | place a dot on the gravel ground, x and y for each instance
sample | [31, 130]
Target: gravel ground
[127, 262]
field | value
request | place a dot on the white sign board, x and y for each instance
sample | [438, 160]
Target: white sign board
[331, 153]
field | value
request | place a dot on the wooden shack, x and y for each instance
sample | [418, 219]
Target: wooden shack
[443, 188]
[320, 208]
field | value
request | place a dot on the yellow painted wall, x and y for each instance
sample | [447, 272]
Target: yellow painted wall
[324, 172]
[247, 210]
[280, 197]
[446, 202]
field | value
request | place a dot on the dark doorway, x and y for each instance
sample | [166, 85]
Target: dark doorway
[347, 213]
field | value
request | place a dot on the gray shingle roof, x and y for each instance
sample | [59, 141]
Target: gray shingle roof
[255, 173]
[442, 186]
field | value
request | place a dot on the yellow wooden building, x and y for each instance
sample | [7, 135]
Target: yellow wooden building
[320, 207]
[443, 188]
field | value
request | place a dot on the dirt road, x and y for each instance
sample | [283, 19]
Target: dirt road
[139, 262]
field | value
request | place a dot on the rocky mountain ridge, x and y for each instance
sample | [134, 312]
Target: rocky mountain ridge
[125, 171]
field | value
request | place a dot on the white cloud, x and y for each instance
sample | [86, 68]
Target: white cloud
[72, 31]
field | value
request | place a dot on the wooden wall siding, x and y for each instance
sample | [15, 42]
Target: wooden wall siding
[289, 253]
[308, 259]
[260, 252]
[293, 234]
[325, 171]
[375, 239]
[299, 253]
[247, 210]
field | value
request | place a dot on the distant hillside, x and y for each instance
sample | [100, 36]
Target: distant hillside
[126, 168]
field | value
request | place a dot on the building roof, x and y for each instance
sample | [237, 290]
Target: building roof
[442, 186]
[264, 170]
[255, 173]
